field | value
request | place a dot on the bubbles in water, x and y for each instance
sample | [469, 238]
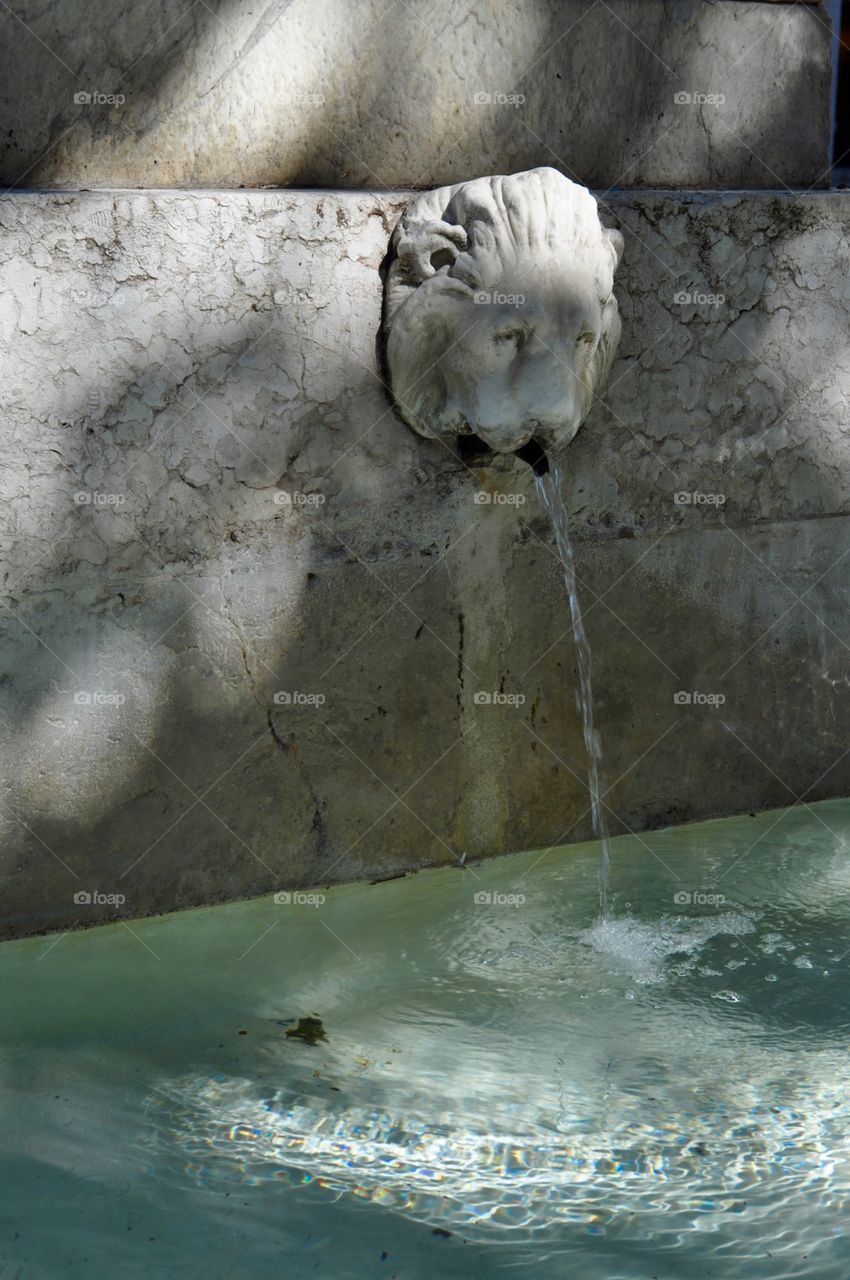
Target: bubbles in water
[645, 948]
[771, 943]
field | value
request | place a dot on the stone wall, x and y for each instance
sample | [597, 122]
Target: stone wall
[209, 507]
[359, 93]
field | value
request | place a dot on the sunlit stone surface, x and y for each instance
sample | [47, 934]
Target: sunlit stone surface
[626, 93]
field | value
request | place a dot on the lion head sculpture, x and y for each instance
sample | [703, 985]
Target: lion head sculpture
[500, 320]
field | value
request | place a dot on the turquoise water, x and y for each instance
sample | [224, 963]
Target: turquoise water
[485, 1080]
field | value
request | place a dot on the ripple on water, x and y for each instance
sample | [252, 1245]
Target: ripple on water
[698, 1170]
[686, 1116]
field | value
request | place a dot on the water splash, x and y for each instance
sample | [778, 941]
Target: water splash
[645, 949]
[550, 490]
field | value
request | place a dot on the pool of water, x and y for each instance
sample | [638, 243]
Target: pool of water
[482, 1078]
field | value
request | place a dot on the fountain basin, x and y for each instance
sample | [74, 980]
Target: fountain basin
[659, 1094]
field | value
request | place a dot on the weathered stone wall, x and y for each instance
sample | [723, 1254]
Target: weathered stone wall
[358, 93]
[177, 366]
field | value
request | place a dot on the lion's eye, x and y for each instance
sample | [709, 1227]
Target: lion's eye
[516, 333]
[586, 335]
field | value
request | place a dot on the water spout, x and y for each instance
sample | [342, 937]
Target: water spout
[535, 455]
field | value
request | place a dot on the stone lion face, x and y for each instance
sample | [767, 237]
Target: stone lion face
[500, 318]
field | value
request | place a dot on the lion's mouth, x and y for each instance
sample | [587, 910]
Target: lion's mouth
[471, 449]
[535, 455]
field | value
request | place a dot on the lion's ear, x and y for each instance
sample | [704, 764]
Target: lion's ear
[616, 244]
[594, 382]
[422, 248]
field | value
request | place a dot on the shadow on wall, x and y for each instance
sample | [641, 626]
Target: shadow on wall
[184, 417]
[322, 93]
[56, 57]
[748, 288]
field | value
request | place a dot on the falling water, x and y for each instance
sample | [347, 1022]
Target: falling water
[550, 485]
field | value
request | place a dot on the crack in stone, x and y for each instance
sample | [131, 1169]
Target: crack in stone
[460, 663]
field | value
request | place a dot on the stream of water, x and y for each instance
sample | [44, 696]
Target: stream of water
[550, 490]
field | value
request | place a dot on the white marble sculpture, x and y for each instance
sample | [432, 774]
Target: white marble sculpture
[500, 320]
